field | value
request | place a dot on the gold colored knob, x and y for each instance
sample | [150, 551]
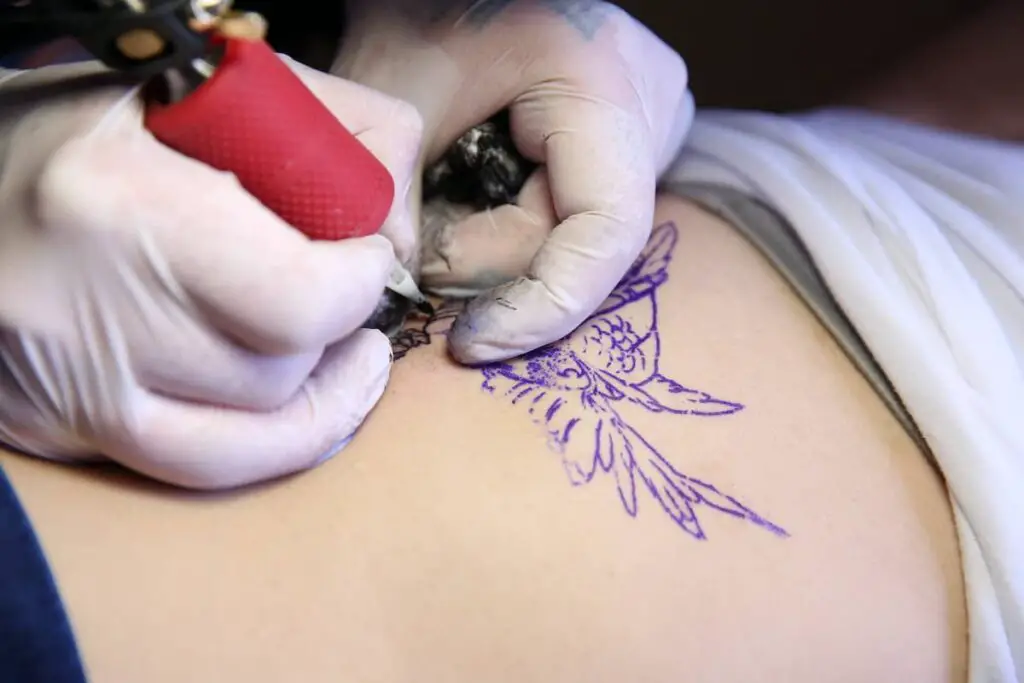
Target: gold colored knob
[140, 43]
[243, 25]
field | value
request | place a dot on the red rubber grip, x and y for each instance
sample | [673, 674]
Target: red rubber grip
[257, 120]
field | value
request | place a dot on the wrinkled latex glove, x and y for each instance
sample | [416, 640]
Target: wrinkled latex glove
[155, 314]
[594, 97]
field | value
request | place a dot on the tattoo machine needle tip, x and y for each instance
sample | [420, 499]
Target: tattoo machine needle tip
[401, 283]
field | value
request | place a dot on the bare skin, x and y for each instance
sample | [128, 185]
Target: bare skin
[446, 543]
[453, 548]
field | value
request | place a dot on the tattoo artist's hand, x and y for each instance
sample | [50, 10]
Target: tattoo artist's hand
[154, 313]
[596, 98]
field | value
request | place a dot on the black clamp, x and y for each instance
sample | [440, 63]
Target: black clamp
[138, 37]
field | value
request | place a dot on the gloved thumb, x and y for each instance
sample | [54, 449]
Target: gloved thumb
[466, 253]
[208, 447]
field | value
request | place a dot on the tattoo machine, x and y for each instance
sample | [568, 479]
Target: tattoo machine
[218, 93]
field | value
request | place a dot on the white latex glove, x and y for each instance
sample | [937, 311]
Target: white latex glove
[594, 96]
[155, 313]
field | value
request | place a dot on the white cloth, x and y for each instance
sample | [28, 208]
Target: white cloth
[919, 235]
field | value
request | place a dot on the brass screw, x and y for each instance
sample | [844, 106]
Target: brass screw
[243, 25]
[233, 24]
[140, 43]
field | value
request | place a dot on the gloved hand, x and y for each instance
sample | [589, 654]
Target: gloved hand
[597, 99]
[155, 313]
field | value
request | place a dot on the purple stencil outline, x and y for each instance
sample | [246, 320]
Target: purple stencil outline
[579, 385]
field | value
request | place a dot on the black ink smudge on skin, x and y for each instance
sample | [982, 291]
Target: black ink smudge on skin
[419, 331]
[390, 314]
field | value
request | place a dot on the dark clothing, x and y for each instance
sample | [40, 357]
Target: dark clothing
[36, 641]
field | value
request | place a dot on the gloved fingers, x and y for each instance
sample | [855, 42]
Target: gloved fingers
[679, 129]
[173, 351]
[475, 252]
[205, 447]
[255, 278]
[195, 365]
[391, 129]
[239, 379]
[398, 150]
[601, 169]
[394, 57]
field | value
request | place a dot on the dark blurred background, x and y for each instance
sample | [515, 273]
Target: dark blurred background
[791, 54]
[776, 55]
